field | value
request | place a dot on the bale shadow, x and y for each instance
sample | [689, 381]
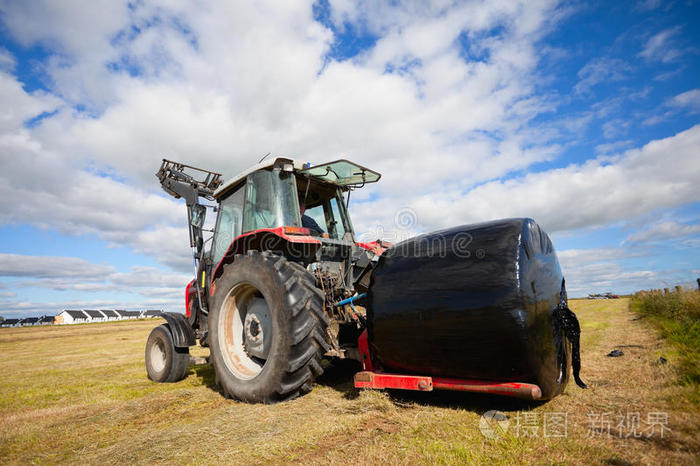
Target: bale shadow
[469, 401]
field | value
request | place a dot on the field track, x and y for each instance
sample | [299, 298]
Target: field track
[79, 394]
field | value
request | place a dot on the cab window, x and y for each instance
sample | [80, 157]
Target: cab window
[229, 223]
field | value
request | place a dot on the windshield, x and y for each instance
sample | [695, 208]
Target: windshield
[323, 210]
[271, 201]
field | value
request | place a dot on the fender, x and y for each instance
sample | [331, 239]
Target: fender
[269, 239]
[183, 335]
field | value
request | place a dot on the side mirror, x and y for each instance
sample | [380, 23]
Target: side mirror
[199, 213]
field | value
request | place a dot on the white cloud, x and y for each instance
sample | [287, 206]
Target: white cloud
[663, 231]
[579, 257]
[73, 273]
[19, 106]
[604, 149]
[606, 269]
[615, 128]
[17, 265]
[648, 5]
[599, 192]
[600, 70]
[7, 60]
[659, 47]
[689, 99]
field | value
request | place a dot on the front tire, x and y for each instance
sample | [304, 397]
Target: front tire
[266, 329]
[165, 362]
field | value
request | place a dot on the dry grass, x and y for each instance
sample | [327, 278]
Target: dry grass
[80, 395]
[677, 316]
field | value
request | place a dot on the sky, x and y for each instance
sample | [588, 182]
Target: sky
[582, 115]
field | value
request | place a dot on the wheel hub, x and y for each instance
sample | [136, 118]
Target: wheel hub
[257, 326]
[158, 356]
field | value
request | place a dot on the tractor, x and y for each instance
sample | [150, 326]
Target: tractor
[281, 283]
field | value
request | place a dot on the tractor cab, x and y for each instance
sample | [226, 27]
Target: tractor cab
[261, 209]
[272, 194]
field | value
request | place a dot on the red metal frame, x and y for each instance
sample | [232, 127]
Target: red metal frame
[375, 247]
[527, 391]
[367, 379]
[363, 347]
[424, 383]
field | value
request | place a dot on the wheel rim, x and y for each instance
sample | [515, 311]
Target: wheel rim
[158, 356]
[245, 331]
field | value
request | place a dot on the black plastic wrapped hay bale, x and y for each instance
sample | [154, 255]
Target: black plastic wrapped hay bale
[472, 302]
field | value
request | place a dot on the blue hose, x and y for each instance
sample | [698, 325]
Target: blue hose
[350, 300]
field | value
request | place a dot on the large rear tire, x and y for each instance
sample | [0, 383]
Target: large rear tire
[165, 362]
[266, 329]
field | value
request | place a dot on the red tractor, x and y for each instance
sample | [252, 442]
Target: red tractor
[281, 283]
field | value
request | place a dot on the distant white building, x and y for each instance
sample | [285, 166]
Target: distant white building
[124, 315]
[73, 317]
[109, 314]
[46, 320]
[94, 315]
[151, 314]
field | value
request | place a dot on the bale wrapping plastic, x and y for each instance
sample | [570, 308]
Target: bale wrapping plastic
[473, 302]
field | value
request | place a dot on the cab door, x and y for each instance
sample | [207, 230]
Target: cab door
[229, 223]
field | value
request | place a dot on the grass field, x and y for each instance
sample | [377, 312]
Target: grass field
[79, 394]
[677, 316]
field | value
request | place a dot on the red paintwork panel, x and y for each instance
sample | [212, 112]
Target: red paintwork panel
[378, 380]
[188, 313]
[375, 247]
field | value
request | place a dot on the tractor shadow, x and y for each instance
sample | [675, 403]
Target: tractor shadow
[205, 374]
[339, 375]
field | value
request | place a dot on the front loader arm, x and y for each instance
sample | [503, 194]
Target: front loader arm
[191, 183]
[175, 181]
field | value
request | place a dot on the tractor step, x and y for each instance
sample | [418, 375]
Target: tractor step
[380, 380]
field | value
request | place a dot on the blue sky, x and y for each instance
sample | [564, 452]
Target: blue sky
[582, 115]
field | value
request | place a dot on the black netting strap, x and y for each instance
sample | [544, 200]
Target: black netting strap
[565, 320]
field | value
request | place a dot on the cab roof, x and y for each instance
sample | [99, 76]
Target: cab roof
[224, 188]
[340, 172]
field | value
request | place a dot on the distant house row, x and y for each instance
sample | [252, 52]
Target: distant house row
[84, 316]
